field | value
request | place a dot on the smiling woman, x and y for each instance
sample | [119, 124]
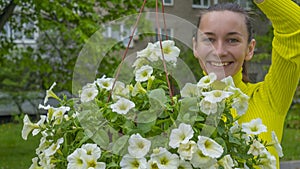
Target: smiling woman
[224, 42]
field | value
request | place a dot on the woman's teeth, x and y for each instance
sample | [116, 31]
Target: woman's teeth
[220, 63]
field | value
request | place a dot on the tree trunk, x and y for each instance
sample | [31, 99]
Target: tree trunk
[7, 13]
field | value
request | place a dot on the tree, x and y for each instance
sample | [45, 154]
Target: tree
[63, 28]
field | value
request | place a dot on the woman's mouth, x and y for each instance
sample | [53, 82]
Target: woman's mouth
[219, 64]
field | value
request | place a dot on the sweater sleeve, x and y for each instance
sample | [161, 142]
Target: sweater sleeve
[282, 79]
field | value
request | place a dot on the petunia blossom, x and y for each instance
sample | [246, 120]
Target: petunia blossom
[149, 53]
[256, 148]
[130, 162]
[143, 73]
[199, 160]
[50, 93]
[187, 150]
[181, 135]
[164, 159]
[209, 147]
[206, 81]
[54, 147]
[208, 107]
[92, 150]
[88, 92]
[74, 160]
[170, 51]
[138, 146]
[122, 106]
[254, 127]
[28, 126]
[276, 144]
[105, 83]
[216, 96]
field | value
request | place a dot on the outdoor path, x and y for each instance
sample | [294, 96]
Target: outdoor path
[290, 164]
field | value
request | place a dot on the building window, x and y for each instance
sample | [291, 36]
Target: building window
[164, 34]
[246, 4]
[201, 3]
[119, 32]
[168, 2]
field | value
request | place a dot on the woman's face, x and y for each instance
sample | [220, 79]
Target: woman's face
[222, 43]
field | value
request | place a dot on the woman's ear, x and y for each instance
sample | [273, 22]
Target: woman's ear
[195, 51]
[251, 48]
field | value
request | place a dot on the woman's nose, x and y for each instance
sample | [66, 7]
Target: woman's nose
[220, 49]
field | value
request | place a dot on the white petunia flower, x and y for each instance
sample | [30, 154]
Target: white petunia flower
[226, 162]
[216, 96]
[28, 126]
[206, 81]
[149, 53]
[276, 144]
[90, 162]
[89, 92]
[74, 160]
[45, 161]
[44, 144]
[184, 165]
[129, 162]
[256, 148]
[267, 160]
[92, 150]
[122, 106]
[209, 147]
[208, 107]
[190, 90]
[58, 114]
[181, 135]
[228, 82]
[240, 102]
[170, 51]
[54, 147]
[105, 83]
[39, 123]
[199, 160]
[120, 90]
[143, 73]
[235, 128]
[50, 93]
[255, 127]
[34, 164]
[187, 150]
[164, 159]
[138, 146]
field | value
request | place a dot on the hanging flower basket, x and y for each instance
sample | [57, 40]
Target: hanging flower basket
[144, 124]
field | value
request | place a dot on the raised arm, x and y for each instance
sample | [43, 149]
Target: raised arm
[282, 79]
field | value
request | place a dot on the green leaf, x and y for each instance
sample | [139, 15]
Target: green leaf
[119, 146]
[101, 138]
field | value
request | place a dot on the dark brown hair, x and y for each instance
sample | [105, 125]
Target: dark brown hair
[233, 7]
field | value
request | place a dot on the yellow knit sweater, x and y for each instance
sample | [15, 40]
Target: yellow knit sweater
[271, 99]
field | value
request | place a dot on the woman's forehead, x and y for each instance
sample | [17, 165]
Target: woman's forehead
[220, 21]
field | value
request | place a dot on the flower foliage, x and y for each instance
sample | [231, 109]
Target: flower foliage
[137, 125]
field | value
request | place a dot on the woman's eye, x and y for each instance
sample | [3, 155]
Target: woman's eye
[233, 40]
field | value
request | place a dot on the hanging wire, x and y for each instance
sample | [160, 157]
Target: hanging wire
[160, 42]
[126, 50]
[161, 48]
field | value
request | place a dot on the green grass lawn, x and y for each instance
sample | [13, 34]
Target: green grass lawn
[291, 144]
[16, 153]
